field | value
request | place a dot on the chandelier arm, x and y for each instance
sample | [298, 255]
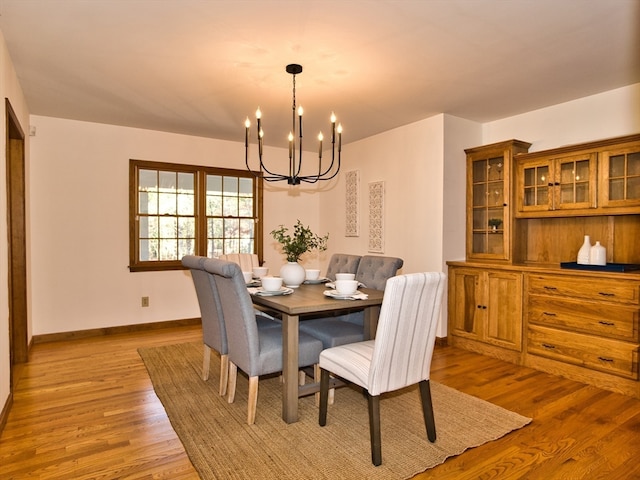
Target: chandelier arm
[308, 178]
[262, 166]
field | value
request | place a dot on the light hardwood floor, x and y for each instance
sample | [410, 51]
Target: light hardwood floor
[86, 409]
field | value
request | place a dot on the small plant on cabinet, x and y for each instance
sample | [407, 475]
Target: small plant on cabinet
[495, 223]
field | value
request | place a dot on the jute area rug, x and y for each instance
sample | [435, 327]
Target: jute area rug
[221, 445]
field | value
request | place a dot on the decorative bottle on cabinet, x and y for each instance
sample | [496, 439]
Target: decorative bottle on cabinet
[598, 255]
[585, 251]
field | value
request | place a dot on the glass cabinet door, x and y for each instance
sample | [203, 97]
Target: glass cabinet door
[488, 206]
[489, 193]
[536, 186]
[620, 185]
[548, 184]
[575, 182]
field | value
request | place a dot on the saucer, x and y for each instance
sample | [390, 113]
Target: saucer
[267, 293]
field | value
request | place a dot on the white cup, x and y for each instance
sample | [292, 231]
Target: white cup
[345, 276]
[248, 277]
[260, 272]
[346, 287]
[312, 274]
[271, 284]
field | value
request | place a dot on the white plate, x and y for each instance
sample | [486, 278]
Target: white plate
[266, 293]
[317, 281]
[340, 296]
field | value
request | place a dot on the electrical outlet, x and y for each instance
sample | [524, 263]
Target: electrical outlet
[145, 301]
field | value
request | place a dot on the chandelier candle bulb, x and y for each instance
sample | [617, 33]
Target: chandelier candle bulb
[333, 127]
[290, 145]
[320, 137]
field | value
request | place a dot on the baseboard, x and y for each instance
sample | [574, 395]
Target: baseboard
[442, 342]
[5, 411]
[98, 332]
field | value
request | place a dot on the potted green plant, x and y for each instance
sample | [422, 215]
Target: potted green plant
[495, 223]
[294, 246]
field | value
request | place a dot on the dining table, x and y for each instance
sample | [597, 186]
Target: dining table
[309, 300]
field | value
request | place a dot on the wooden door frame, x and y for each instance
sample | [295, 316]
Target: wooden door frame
[16, 224]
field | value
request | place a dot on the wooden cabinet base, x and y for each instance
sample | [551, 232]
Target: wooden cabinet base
[486, 349]
[579, 374]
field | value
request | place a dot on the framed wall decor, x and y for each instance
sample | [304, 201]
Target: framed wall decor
[376, 217]
[352, 221]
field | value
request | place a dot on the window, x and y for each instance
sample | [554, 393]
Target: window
[178, 210]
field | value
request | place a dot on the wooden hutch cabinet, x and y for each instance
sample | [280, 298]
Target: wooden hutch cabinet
[519, 295]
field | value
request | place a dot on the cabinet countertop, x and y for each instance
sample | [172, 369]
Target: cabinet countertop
[546, 269]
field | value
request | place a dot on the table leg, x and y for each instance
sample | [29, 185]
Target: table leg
[290, 368]
[371, 315]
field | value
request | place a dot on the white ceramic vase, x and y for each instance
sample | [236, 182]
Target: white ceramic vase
[585, 251]
[293, 274]
[598, 255]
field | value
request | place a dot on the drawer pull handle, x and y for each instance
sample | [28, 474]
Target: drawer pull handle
[547, 346]
[606, 324]
[549, 288]
[549, 314]
[609, 360]
[605, 294]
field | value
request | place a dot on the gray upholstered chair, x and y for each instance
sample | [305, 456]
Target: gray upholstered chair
[399, 356]
[214, 335]
[373, 272]
[254, 342]
[342, 263]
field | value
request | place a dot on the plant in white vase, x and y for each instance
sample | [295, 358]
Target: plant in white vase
[302, 241]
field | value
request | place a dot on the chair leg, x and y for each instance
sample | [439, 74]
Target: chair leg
[302, 377]
[374, 429]
[316, 378]
[253, 400]
[427, 410]
[206, 362]
[224, 374]
[324, 393]
[231, 389]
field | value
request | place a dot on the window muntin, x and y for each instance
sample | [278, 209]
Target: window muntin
[164, 213]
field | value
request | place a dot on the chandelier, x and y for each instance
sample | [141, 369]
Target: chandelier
[295, 166]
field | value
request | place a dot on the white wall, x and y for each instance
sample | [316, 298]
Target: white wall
[9, 88]
[80, 230]
[410, 162]
[423, 166]
[609, 114]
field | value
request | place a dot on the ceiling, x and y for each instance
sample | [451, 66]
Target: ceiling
[199, 67]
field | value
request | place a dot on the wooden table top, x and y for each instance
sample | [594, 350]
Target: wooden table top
[310, 299]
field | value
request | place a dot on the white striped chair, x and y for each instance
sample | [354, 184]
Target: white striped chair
[399, 356]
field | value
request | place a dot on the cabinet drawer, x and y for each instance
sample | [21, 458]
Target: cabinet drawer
[607, 320]
[609, 290]
[610, 356]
